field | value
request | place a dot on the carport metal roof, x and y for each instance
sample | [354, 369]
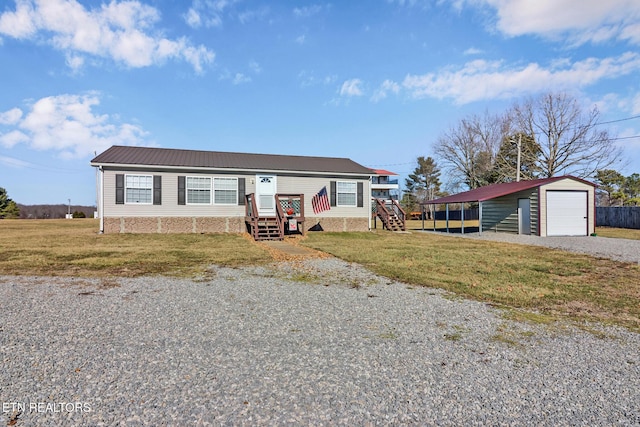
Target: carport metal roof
[497, 190]
[491, 192]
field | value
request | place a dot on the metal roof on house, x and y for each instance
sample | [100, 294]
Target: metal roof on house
[168, 157]
[497, 190]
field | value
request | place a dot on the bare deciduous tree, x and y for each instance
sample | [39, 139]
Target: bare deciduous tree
[569, 139]
[468, 150]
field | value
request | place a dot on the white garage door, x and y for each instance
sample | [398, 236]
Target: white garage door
[566, 213]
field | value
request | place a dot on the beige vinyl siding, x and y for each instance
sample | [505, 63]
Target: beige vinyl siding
[169, 206]
[567, 185]
[309, 186]
[501, 213]
[287, 184]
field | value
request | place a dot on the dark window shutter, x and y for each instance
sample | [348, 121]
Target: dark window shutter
[157, 190]
[119, 189]
[241, 190]
[181, 190]
[332, 197]
[360, 195]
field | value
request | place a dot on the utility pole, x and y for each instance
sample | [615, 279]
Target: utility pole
[519, 150]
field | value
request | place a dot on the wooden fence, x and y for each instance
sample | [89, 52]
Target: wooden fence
[622, 217]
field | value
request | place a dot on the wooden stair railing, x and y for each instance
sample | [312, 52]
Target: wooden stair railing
[263, 227]
[391, 214]
[400, 213]
[273, 227]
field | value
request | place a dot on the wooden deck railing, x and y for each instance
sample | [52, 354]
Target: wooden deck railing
[293, 208]
[287, 207]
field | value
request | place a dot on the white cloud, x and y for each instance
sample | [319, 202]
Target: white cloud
[12, 138]
[121, 30]
[384, 89]
[351, 88]
[483, 80]
[253, 15]
[10, 117]
[208, 13]
[577, 20]
[192, 17]
[18, 24]
[308, 78]
[307, 11]
[473, 51]
[240, 78]
[301, 39]
[255, 67]
[69, 125]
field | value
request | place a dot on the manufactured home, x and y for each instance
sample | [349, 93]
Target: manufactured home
[159, 190]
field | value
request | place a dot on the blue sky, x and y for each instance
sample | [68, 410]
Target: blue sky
[377, 81]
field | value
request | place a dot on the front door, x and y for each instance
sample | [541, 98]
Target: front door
[524, 216]
[265, 195]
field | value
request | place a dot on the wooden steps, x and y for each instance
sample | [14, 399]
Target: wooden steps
[394, 223]
[267, 228]
[391, 215]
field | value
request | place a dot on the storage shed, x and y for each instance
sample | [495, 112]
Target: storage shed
[558, 206]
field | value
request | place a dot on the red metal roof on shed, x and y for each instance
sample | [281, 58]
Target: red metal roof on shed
[497, 190]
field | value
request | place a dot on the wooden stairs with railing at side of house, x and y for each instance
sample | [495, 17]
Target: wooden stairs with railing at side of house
[393, 217]
[288, 207]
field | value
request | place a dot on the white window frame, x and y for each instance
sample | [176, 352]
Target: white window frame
[235, 197]
[340, 191]
[127, 187]
[187, 188]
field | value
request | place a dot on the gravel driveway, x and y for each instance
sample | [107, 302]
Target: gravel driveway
[617, 249]
[317, 342]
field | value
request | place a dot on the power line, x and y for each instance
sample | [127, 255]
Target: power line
[618, 120]
[624, 137]
[395, 164]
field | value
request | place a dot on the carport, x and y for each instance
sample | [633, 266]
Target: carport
[558, 206]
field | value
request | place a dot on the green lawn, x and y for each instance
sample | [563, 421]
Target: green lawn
[74, 248]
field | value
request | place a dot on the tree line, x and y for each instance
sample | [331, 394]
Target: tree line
[542, 137]
[9, 209]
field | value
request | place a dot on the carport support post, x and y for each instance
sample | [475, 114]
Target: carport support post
[462, 218]
[480, 217]
[434, 218]
[447, 217]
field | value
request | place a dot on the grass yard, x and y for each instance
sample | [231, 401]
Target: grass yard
[618, 233]
[553, 282]
[73, 248]
[414, 224]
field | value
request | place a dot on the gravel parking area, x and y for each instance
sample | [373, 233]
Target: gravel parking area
[314, 342]
[603, 247]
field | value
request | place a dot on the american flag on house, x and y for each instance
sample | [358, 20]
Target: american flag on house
[320, 201]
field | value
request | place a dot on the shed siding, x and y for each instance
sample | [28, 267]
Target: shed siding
[501, 213]
[567, 185]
